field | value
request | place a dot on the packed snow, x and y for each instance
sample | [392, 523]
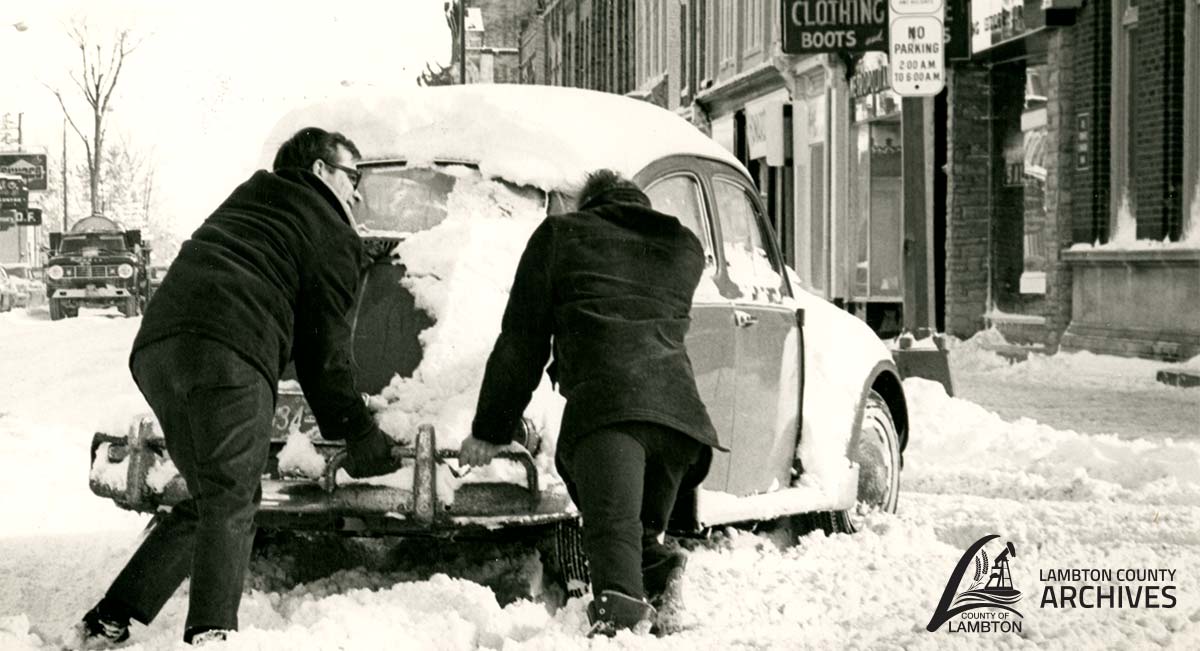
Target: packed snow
[1065, 499]
[514, 132]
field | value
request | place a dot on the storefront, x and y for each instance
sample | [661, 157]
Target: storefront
[756, 125]
[1008, 220]
[876, 199]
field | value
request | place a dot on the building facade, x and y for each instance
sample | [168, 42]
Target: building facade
[1073, 150]
[1057, 177]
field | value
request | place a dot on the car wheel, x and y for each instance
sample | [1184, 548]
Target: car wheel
[564, 563]
[875, 448]
[56, 310]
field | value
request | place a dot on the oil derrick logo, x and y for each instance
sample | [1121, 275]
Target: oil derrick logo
[987, 603]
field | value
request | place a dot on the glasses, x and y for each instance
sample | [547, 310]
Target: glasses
[354, 175]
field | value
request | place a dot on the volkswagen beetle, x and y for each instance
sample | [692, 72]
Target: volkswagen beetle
[805, 396]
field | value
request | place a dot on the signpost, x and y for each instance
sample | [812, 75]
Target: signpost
[917, 48]
[13, 195]
[31, 167]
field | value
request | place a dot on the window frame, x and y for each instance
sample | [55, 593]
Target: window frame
[1122, 182]
[707, 241]
[770, 240]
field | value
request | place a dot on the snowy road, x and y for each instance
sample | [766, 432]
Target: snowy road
[1066, 500]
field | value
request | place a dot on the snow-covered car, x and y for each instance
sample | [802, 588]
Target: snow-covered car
[455, 179]
[9, 293]
[29, 289]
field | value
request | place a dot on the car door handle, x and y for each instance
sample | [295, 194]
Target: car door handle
[744, 319]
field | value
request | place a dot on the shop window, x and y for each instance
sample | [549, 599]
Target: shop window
[727, 25]
[750, 263]
[752, 26]
[1191, 140]
[1125, 53]
[876, 210]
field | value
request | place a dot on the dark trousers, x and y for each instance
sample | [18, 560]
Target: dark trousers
[624, 478]
[215, 410]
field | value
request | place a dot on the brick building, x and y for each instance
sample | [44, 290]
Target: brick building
[493, 42]
[582, 44]
[1073, 144]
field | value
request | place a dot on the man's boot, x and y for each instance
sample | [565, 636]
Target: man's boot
[613, 611]
[662, 577]
[102, 627]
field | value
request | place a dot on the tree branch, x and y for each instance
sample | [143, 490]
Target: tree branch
[67, 114]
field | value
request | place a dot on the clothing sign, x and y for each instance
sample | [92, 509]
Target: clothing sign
[917, 49]
[811, 26]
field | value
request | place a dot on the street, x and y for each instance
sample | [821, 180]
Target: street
[1063, 497]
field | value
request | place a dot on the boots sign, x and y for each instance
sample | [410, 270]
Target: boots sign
[811, 26]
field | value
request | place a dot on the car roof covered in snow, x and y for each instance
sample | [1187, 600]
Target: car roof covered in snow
[545, 136]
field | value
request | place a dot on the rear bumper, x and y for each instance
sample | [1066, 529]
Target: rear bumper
[135, 472]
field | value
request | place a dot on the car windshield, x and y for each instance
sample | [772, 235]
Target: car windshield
[400, 200]
[77, 245]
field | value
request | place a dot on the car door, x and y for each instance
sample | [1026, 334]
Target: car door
[766, 340]
[677, 190]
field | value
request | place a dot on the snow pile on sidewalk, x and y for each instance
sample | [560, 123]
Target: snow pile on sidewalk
[959, 447]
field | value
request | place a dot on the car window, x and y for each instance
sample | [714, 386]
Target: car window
[750, 263]
[680, 196]
[400, 199]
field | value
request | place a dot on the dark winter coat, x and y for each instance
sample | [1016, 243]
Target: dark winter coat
[272, 275]
[611, 286]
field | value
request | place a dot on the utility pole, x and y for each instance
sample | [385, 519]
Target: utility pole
[65, 201]
[462, 41]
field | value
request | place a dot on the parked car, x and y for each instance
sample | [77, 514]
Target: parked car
[455, 179]
[8, 292]
[25, 279]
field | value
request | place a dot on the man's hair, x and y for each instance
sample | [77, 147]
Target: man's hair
[308, 145]
[601, 182]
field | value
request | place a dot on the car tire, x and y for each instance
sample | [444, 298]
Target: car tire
[565, 568]
[875, 447]
[129, 307]
[56, 310]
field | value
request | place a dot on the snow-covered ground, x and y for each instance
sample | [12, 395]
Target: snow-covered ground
[1064, 498]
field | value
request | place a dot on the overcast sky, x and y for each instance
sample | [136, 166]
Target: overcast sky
[210, 78]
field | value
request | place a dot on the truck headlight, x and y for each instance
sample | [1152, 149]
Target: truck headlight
[55, 272]
[125, 270]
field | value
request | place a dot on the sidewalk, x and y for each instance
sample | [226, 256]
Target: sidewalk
[1092, 394]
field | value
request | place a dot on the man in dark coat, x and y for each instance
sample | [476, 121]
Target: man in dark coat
[269, 277]
[609, 290]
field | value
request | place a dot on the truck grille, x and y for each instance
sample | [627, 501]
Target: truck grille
[91, 271]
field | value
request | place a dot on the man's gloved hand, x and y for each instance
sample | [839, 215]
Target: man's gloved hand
[477, 452]
[371, 454]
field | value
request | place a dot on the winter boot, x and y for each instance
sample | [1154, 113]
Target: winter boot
[613, 611]
[99, 629]
[662, 577]
[202, 636]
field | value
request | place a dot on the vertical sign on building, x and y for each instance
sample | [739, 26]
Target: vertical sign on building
[917, 47]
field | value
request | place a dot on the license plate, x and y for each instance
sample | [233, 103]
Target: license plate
[292, 415]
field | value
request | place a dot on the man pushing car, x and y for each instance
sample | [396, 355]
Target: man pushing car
[269, 277]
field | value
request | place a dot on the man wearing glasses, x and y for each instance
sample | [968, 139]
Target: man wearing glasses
[269, 277]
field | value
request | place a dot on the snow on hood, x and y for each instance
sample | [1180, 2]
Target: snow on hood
[544, 136]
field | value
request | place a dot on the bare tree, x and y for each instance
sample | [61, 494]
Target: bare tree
[96, 78]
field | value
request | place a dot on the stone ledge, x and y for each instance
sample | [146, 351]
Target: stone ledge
[1136, 256]
[1179, 378]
